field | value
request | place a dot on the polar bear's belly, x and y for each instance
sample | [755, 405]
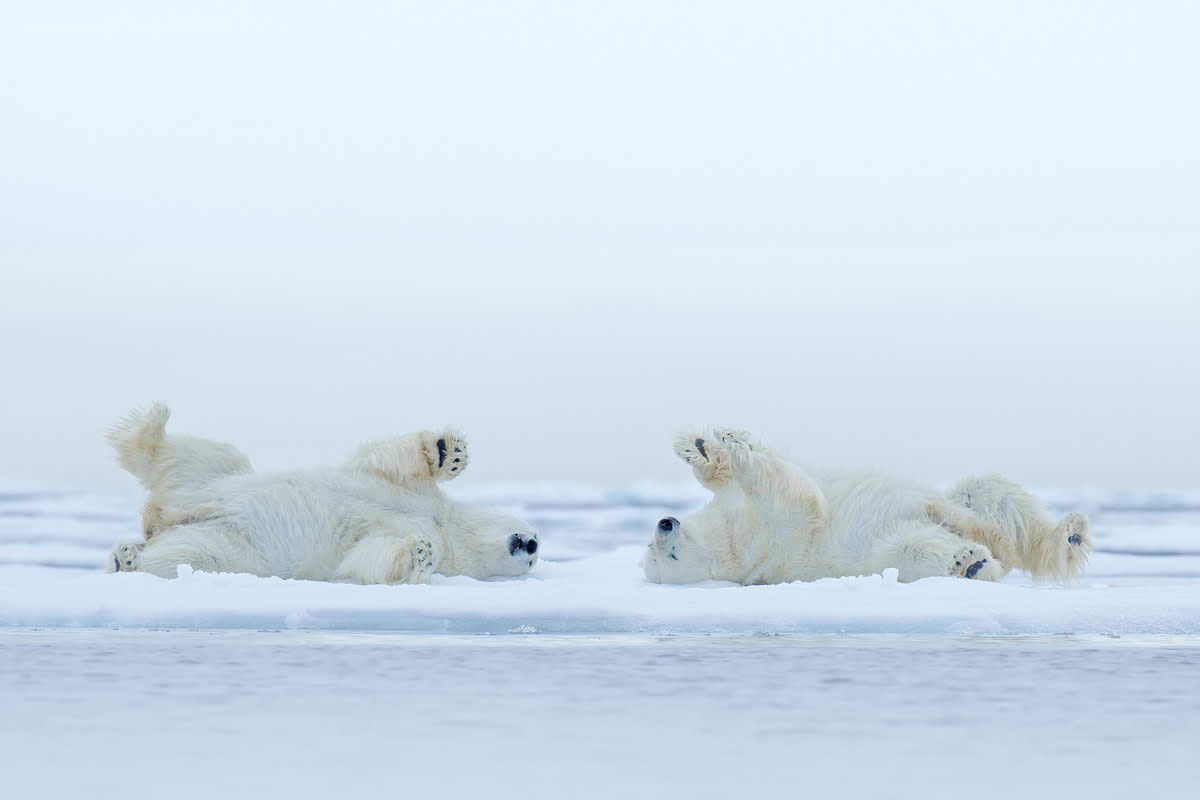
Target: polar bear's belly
[864, 510]
[297, 529]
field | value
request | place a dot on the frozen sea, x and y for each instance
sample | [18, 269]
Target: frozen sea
[582, 680]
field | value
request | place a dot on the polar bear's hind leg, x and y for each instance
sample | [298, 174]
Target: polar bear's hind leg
[965, 523]
[924, 550]
[207, 546]
[385, 558]
[1065, 551]
[1032, 539]
[163, 462]
[137, 439]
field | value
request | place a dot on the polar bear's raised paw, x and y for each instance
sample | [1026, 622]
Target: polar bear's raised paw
[1065, 553]
[1074, 528]
[738, 444]
[695, 449]
[707, 457]
[125, 558]
[447, 455]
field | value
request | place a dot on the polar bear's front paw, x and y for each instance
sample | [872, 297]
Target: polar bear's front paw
[697, 450]
[125, 558]
[737, 443]
[707, 457]
[446, 453]
[976, 562]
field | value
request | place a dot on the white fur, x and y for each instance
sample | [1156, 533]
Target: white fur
[379, 519]
[771, 522]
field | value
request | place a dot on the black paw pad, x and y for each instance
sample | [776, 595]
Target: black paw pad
[1075, 539]
[700, 448]
[974, 568]
[441, 444]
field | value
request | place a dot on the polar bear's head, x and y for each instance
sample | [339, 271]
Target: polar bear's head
[688, 551]
[484, 543]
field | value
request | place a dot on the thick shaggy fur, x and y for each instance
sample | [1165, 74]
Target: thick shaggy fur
[772, 522]
[380, 518]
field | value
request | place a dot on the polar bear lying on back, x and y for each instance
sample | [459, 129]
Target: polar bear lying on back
[379, 519]
[771, 522]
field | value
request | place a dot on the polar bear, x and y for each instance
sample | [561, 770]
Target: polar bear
[380, 518]
[771, 522]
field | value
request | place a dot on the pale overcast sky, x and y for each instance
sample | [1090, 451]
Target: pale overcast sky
[931, 237]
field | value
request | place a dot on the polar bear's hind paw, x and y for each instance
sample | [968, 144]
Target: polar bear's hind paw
[125, 558]
[1071, 559]
[976, 563]
[1075, 525]
[422, 561]
[413, 564]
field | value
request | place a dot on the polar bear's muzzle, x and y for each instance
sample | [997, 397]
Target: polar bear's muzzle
[669, 555]
[521, 544]
[665, 537]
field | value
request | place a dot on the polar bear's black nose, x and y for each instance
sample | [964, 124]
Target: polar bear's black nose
[668, 525]
[519, 544]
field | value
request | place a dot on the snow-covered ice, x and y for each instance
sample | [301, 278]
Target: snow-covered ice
[1143, 580]
[583, 680]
